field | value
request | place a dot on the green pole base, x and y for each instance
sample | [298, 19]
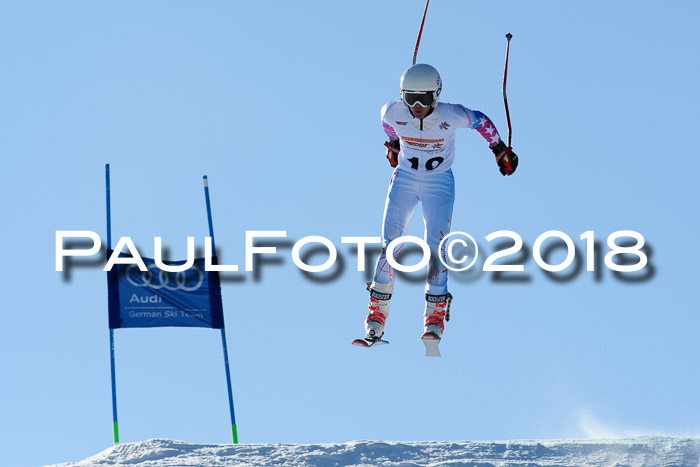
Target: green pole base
[116, 433]
[234, 432]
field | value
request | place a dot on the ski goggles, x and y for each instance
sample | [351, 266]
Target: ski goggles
[424, 98]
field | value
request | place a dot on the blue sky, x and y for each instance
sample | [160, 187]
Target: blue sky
[278, 103]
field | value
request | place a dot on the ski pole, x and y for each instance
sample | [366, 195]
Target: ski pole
[420, 32]
[509, 36]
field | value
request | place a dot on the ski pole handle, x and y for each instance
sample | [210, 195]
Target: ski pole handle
[392, 148]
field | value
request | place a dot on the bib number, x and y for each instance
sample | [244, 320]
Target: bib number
[430, 164]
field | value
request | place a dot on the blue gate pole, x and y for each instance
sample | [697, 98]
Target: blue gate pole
[234, 430]
[115, 423]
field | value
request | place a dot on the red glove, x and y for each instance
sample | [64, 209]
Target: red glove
[393, 148]
[505, 157]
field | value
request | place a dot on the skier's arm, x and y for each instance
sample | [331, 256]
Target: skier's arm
[393, 146]
[478, 121]
[389, 130]
[505, 157]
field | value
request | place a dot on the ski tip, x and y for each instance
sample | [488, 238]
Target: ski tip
[360, 343]
[366, 343]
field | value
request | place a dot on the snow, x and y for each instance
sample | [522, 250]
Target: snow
[633, 452]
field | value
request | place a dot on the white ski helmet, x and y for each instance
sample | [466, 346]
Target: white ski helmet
[421, 83]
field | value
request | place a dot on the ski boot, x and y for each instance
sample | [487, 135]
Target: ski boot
[437, 311]
[376, 318]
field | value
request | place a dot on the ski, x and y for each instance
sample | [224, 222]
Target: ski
[432, 342]
[368, 343]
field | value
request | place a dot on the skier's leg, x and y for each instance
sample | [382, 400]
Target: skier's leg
[436, 309]
[438, 200]
[378, 312]
[401, 203]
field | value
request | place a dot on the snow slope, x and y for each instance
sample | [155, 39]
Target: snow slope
[643, 451]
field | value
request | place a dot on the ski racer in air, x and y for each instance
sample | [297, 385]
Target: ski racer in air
[421, 148]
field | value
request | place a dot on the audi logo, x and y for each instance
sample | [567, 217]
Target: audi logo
[164, 279]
